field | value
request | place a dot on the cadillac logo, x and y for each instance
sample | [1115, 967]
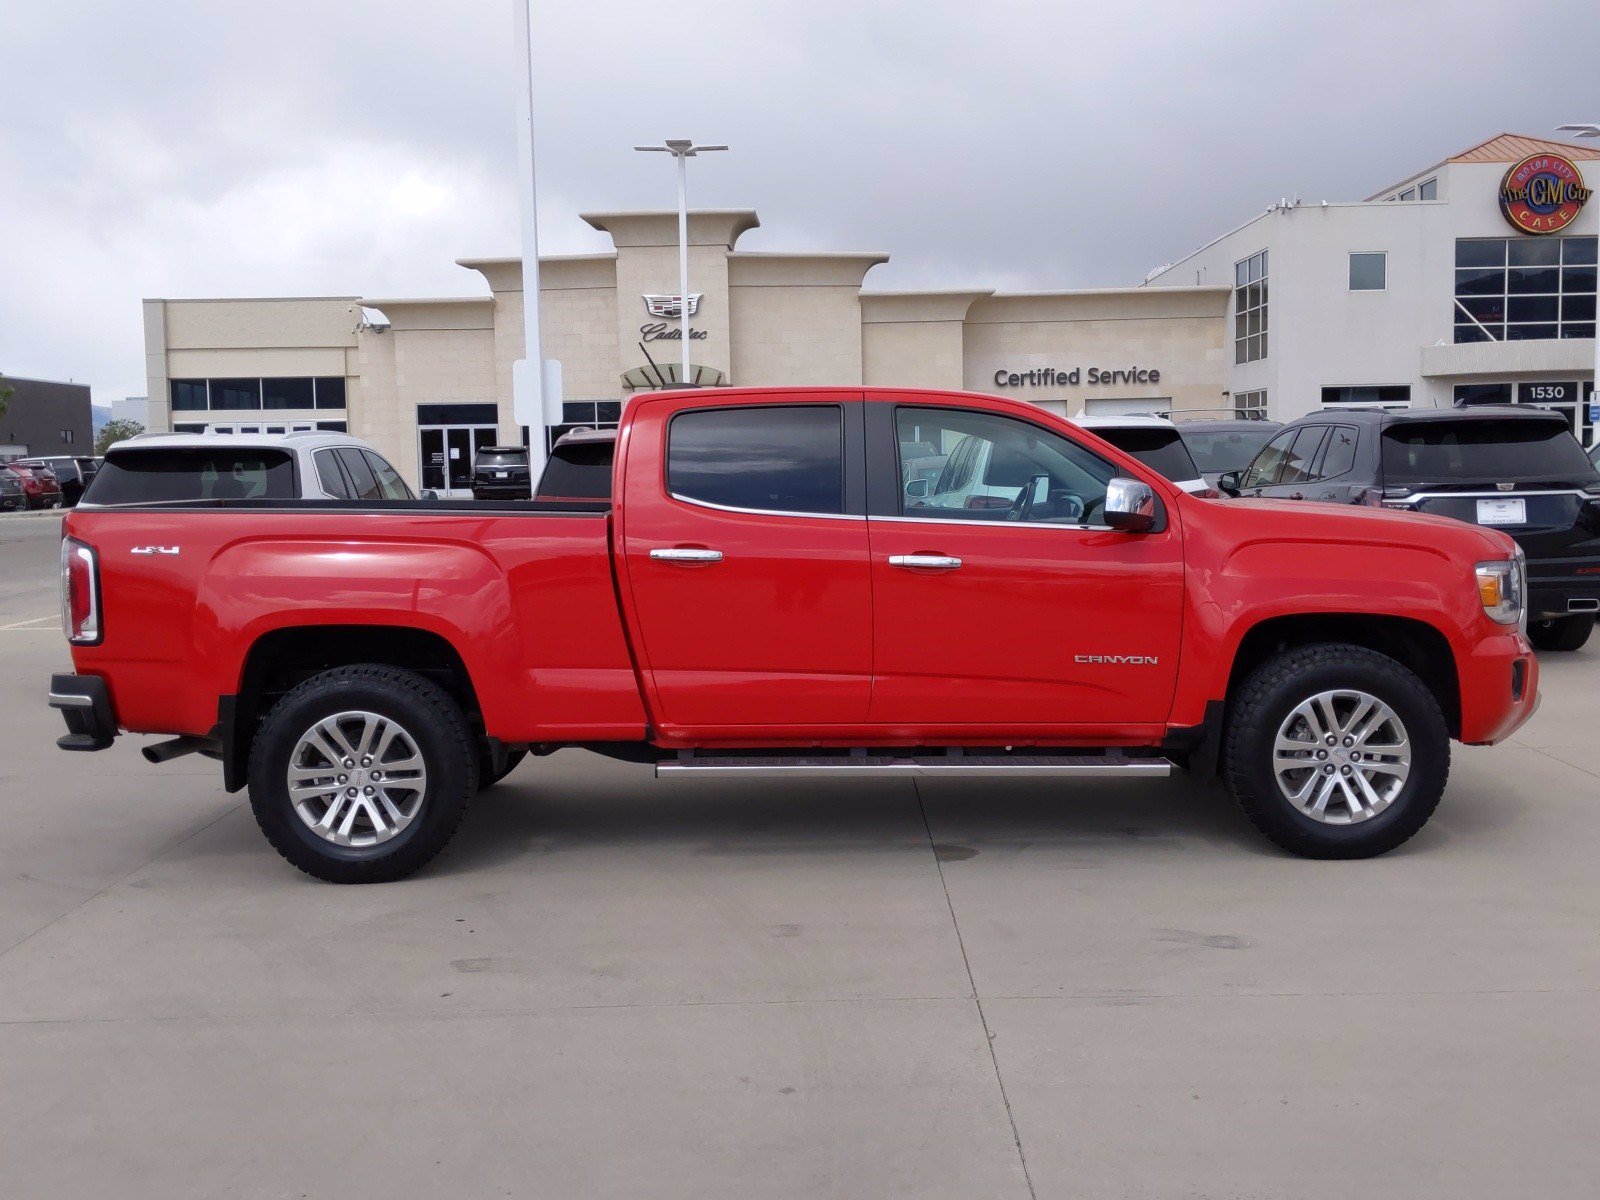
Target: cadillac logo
[671, 307]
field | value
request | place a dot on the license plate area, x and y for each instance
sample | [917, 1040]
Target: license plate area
[1510, 511]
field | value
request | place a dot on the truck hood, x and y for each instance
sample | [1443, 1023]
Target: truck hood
[1287, 519]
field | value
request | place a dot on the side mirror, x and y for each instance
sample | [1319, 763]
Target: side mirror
[1130, 505]
[1228, 482]
[916, 489]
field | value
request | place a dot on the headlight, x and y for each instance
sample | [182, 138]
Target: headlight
[1501, 589]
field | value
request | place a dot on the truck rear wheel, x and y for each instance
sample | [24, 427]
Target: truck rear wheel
[1561, 633]
[1336, 751]
[361, 774]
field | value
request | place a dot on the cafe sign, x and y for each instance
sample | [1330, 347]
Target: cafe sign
[1542, 194]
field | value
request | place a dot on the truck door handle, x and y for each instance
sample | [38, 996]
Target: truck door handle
[684, 554]
[924, 562]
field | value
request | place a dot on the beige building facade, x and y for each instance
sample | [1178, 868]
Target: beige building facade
[428, 380]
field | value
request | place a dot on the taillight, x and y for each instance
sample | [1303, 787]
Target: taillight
[80, 593]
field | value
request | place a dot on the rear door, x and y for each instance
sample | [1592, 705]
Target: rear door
[1017, 618]
[744, 545]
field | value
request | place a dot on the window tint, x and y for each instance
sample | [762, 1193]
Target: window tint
[1338, 453]
[362, 479]
[389, 482]
[1297, 465]
[579, 471]
[1482, 450]
[328, 474]
[998, 466]
[1162, 450]
[1265, 467]
[505, 457]
[1227, 449]
[782, 459]
[155, 476]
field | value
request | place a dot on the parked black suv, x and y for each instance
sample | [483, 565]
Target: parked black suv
[1513, 468]
[501, 473]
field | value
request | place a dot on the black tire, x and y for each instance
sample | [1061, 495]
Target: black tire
[429, 717]
[489, 773]
[1561, 633]
[1266, 700]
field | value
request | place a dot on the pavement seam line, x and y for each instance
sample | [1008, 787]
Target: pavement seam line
[119, 879]
[983, 1018]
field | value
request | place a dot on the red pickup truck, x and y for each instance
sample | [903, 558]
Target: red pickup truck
[844, 582]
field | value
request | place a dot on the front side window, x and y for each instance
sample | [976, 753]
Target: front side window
[390, 485]
[1250, 308]
[1369, 270]
[1302, 453]
[771, 458]
[1264, 469]
[1003, 469]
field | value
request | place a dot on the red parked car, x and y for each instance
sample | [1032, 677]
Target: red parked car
[767, 593]
[39, 486]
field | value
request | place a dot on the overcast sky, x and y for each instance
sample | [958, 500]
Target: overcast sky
[358, 147]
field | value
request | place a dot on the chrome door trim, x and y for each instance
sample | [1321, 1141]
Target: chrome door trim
[997, 524]
[764, 512]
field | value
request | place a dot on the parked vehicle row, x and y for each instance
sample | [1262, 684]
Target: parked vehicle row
[763, 595]
[1511, 467]
[37, 483]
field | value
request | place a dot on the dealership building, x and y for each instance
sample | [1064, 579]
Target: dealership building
[1426, 293]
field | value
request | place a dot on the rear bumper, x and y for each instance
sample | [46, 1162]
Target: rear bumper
[85, 705]
[501, 491]
[1499, 688]
[1562, 595]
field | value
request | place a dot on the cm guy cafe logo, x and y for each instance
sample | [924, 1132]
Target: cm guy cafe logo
[1542, 194]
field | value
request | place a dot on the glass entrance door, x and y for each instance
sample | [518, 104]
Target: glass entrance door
[447, 452]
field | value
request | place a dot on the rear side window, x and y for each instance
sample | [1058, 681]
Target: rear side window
[1339, 454]
[362, 479]
[781, 459]
[328, 474]
[579, 471]
[1478, 450]
[157, 476]
[1162, 450]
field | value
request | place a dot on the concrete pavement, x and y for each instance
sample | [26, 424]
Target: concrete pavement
[613, 986]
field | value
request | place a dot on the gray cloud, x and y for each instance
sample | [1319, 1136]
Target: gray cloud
[353, 146]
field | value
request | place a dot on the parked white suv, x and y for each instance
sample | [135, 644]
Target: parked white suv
[174, 467]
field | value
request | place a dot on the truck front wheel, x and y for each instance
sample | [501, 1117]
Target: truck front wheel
[1336, 751]
[361, 774]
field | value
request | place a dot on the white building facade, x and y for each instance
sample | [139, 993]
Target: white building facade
[1472, 281]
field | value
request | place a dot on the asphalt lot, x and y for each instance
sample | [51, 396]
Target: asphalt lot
[610, 986]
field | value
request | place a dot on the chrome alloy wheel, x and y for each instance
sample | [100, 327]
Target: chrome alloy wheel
[357, 779]
[1341, 757]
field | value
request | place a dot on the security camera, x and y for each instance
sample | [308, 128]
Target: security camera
[372, 320]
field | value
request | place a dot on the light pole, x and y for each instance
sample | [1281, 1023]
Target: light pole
[1588, 131]
[528, 399]
[682, 149]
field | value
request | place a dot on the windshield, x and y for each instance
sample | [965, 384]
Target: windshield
[161, 476]
[1162, 450]
[1478, 450]
[1228, 449]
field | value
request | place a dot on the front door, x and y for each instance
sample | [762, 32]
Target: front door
[1000, 597]
[745, 547]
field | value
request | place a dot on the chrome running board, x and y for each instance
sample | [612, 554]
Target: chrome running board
[979, 766]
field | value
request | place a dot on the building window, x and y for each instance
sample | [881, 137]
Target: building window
[1369, 270]
[1385, 395]
[1428, 190]
[1409, 194]
[1250, 308]
[66, 437]
[1251, 404]
[239, 395]
[1521, 289]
